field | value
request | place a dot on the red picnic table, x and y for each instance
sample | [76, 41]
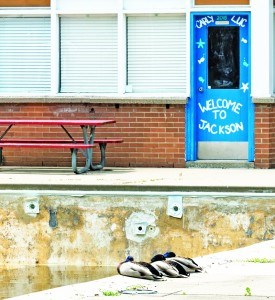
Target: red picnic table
[85, 144]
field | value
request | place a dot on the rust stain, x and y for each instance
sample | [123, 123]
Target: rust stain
[92, 230]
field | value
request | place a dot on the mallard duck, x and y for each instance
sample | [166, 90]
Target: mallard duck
[140, 269]
[188, 264]
[168, 268]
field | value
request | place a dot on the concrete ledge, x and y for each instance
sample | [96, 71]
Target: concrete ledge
[140, 179]
[144, 188]
[100, 99]
[112, 99]
[264, 100]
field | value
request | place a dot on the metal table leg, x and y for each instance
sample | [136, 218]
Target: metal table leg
[102, 146]
[74, 161]
[1, 149]
[101, 164]
[87, 153]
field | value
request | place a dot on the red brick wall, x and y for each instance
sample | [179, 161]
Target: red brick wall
[153, 134]
[221, 2]
[272, 137]
[265, 136]
[19, 3]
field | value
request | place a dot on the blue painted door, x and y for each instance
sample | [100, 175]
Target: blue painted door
[220, 111]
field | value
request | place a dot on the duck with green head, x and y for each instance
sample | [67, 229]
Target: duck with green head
[140, 269]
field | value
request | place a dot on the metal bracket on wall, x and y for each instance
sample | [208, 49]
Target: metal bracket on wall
[174, 206]
[140, 228]
[31, 207]
[53, 220]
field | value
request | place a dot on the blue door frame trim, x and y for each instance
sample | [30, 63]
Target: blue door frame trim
[191, 140]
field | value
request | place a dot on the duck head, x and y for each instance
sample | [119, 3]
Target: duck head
[158, 257]
[129, 258]
[169, 254]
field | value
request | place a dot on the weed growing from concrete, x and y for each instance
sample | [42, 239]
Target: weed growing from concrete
[247, 292]
[110, 293]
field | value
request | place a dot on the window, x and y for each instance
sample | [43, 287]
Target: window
[156, 54]
[89, 54]
[25, 48]
[223, 57]
[97, 48]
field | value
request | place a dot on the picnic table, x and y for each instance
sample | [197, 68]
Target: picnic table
[85, 144]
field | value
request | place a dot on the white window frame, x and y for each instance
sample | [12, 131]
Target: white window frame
[121, 13]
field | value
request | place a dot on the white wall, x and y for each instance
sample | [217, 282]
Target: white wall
[154, 4]
[262, 48]
[88, 5]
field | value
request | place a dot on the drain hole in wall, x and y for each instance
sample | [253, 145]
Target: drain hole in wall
[175, 208]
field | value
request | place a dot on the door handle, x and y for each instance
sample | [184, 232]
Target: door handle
[200, 89]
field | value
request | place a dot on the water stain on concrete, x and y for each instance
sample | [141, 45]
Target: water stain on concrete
[103, 230]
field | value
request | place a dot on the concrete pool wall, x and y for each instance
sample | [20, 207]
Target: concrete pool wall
[101, 228]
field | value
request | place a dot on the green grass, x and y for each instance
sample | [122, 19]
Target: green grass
[110, 293]
[260, 260]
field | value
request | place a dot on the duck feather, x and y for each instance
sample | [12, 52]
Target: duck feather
[189, 264]
[166, 268]
[140, 269]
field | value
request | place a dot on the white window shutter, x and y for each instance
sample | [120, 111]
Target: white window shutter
[89, 54]
[25, 53]
[156, 54]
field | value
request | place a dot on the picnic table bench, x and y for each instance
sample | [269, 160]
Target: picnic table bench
[85, 144]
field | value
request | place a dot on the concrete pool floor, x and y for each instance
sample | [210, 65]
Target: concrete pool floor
[227, 275]
[234, 274]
